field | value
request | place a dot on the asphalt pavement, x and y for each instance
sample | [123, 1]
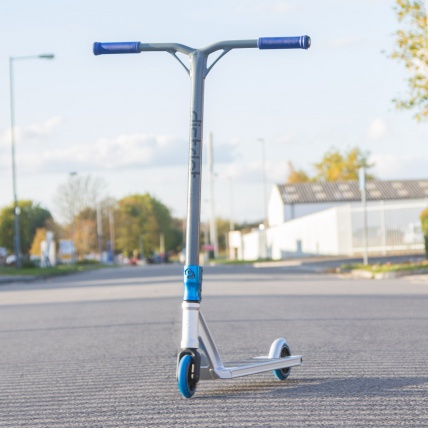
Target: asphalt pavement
[98, 349]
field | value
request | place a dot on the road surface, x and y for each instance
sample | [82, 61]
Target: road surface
[98, 349]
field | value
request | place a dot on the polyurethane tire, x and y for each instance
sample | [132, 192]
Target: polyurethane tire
[282, 374]
[185, 380]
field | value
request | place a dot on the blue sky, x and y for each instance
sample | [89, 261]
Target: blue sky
[125, 118]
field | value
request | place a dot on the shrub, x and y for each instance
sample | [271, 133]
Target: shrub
[87, 262]
[424, 224]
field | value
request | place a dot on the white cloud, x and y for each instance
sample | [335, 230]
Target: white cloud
[38, 151]
[283, 7]
[36, 131]
[342, 42]
[251, 172]
[405, 166]
[377, 129]
[257, 7]
[32, 133]
[223, 152]
[285, 138]
[119, 153]
[29, 143]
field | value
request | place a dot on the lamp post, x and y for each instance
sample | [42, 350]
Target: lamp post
[362, 184]
[231, 221]
[16, 235]
[72, 214]
[262, 141]
[213, 225]
[265, 222]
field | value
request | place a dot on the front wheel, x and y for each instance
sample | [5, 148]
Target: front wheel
[186, 378]
[282, 374]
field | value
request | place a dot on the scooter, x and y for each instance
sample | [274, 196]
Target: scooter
[199, 357]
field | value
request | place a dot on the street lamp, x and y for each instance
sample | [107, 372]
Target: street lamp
[16, 236]
[72, 214]
[213, 225]
[231, 221]
[261, 140]
[265, 221]
[362, 184]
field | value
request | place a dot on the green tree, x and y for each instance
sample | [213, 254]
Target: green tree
[337, 166]
[223, 228]
[85, 236]
[32, 216]
[167, 226]
[412, 50]
[140, 220]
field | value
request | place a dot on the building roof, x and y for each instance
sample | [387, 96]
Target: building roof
[349, 191]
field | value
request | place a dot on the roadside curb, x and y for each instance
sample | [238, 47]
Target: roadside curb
[18, 278]
[277, 264]
[8, 279]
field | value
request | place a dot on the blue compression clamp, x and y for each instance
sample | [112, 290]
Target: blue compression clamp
[299, 42]
[192, 283]
[116, 48]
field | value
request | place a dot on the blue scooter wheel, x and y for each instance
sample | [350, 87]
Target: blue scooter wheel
[282, 374]
[186, 381]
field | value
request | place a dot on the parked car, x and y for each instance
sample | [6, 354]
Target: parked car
[10, 260]
[3, 255]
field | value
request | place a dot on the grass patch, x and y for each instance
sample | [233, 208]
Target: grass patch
[237, 262]
[51, 271]
[386, 267]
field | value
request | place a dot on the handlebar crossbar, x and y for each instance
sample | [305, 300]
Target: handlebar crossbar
[299, 42]
[198, 69]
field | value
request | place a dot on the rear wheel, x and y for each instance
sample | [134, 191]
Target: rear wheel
[282, 374]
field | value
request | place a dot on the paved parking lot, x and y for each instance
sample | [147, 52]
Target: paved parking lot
[98, 350]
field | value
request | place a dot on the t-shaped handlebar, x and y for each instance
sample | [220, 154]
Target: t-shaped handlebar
[197, 71]
[299, 42]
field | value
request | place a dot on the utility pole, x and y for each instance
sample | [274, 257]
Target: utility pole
[16, 209]
[231, 221]
[262, 141]
[265, 220]
[362, 182]
[99, 229]
[111, 224]
[213, 225]
[72, 215]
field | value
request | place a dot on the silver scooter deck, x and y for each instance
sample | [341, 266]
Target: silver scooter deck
[213, 368]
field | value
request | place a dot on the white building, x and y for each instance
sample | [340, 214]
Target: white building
[326, 218]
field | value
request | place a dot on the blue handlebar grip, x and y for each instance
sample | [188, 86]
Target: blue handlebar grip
[299, 42]
[116, 48]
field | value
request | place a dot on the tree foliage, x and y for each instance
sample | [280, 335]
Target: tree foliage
[39, 237]
[85, 235]
[334, 166]
[296, 176]
[223, 228]
[140, 220]
[31, 217]
[337, 166]
[412, 50]
[137, 221]
[79, 192]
